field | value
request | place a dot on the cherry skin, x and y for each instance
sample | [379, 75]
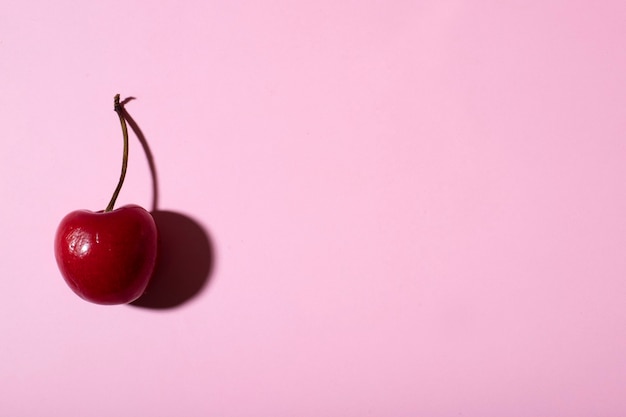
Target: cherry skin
[107, 257]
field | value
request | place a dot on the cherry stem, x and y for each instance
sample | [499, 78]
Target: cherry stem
[120, 112]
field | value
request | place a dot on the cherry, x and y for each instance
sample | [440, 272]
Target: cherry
[108, 256]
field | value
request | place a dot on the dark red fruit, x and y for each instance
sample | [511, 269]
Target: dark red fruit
[107, 257]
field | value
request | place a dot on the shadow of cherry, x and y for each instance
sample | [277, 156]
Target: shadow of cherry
[185, 259]
[186, 254]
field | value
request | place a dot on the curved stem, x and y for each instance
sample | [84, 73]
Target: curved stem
[120, 112]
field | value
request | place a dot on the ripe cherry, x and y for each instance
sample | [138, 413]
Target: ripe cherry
[108, 256]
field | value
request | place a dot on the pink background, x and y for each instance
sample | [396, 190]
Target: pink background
[416, 208]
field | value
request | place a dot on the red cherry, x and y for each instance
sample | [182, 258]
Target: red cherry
[108, 257]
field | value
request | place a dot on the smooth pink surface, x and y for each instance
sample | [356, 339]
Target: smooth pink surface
[417, 208]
